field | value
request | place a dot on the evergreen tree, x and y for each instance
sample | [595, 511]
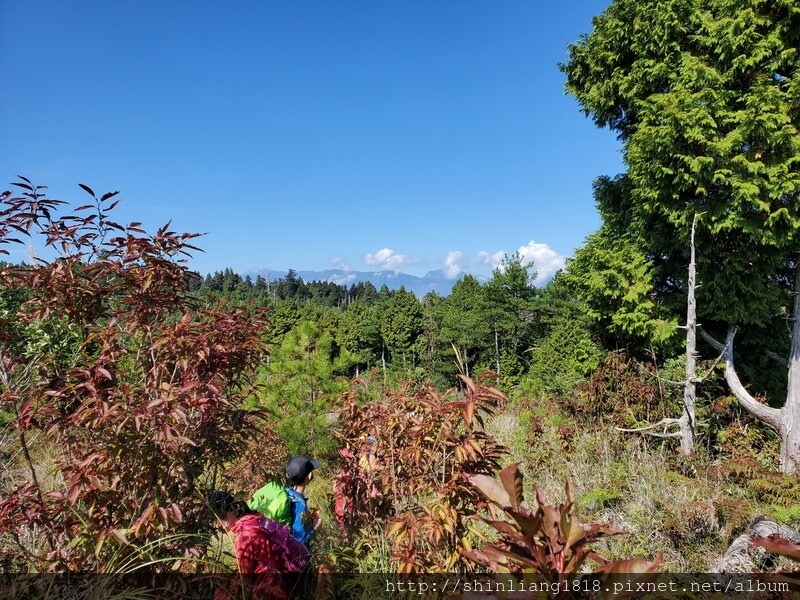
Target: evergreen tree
[302, 384]
[465, 320]
[401, 326]
[512, 310]
[359, 332]
[704, 96]
[364, 291]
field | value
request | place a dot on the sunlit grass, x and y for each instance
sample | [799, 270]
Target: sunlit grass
[633, 483]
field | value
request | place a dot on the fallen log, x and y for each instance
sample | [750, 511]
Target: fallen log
[743, 557]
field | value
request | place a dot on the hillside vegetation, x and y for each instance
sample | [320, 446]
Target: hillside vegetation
[609, 399]
[130, 391]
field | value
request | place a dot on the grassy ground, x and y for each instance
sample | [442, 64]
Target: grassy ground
[689, 510]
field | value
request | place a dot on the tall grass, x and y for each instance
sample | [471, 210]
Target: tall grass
[668, 504]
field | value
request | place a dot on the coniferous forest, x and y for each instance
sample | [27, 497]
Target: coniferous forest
[638, 413]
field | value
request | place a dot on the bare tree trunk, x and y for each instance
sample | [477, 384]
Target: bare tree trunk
[686, 424]
[790, 417]
[773, 417]
[496, 350]
[687, 420]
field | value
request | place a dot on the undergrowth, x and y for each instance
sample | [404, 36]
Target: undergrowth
[687, 508]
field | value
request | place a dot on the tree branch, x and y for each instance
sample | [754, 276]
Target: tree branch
[767, 414]
[775, 357]
[648, 429]
[712, 341]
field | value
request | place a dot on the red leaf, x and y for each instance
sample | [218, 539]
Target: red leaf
[89, 460]
[778, 545]
[87, 189]
[512, 482]
[626, 574]
[492, 489]
[74, 492]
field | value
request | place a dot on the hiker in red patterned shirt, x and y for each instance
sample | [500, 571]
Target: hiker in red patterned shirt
[268, 557]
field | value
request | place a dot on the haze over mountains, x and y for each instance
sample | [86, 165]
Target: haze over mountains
[432, 281]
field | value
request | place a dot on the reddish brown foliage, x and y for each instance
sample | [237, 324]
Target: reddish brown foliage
[262, 459]
[426, 442]
[619, 392]
[549, 540]
[140, 408]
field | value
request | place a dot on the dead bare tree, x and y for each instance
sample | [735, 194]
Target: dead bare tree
[687, 420]
[685, 424]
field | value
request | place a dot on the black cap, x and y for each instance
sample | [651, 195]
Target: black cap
[220, 501]
[298, 468]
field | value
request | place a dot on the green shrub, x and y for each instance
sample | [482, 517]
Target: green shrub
[598, 498]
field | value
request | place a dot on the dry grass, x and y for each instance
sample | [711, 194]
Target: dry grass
[632, 483]
[15, 470]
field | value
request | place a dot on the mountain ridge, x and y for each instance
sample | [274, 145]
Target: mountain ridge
[432, 281]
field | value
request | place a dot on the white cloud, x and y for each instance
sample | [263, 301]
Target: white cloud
[453, 264]
[385, 258]
[492, 260]
[546, 261]
[343, 279]
[340, 263]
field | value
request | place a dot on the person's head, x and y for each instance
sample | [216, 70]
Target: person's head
[227, 508]
[299, 470]
[368, 443]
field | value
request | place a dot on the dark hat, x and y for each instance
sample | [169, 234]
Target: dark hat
[298, 468]
[220, 501]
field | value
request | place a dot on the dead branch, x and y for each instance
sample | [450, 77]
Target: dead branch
[649, 429]
[767, 414]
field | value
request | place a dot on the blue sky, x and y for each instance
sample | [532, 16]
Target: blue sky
[365, 135]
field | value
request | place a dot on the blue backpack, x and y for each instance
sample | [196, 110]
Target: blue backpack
[301, 520]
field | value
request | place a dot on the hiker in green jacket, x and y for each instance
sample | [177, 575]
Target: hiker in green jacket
[273, 502]
[299, 473]
[288, 505]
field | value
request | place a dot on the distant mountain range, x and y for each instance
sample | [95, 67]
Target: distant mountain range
[432, 281]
